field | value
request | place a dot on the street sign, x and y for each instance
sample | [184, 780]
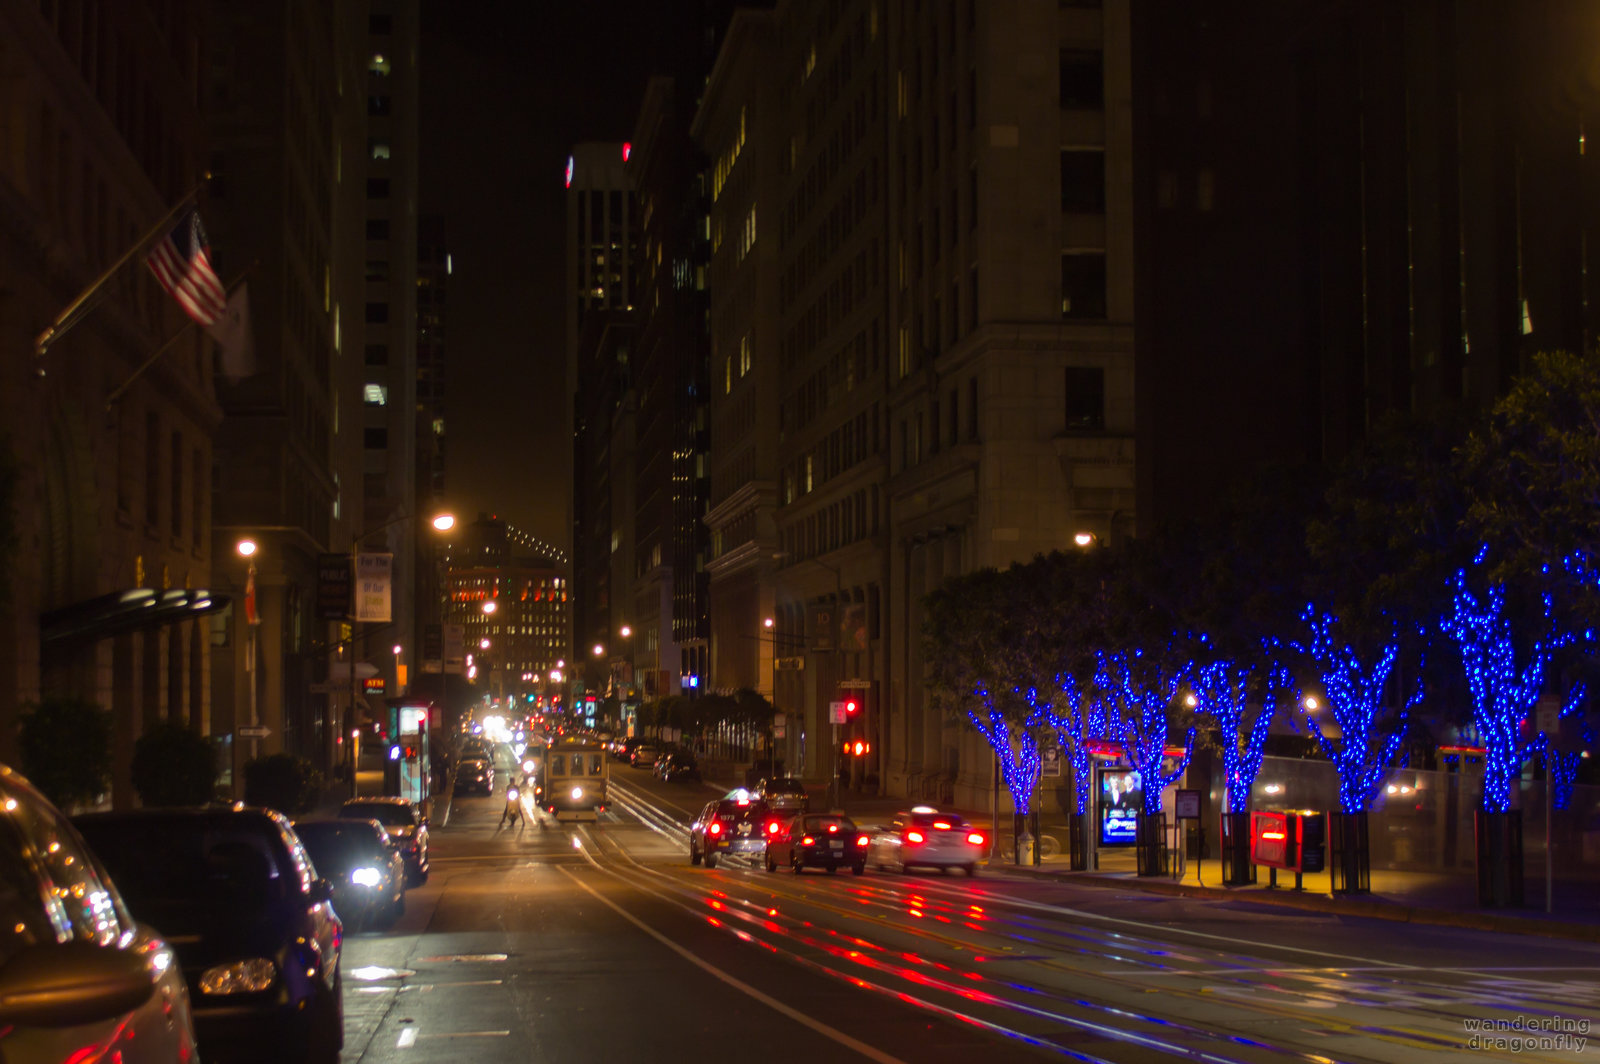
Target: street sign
[1188, 804]
[253, 731]
[333, 586]
[432, 645]
[327, 688]
[455, 648]
[789, 664]
[1547, 715]
[836, 713]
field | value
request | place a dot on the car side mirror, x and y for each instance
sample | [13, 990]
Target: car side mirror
[321, 891]
[71, 984]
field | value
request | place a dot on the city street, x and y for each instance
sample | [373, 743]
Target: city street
[553, 942]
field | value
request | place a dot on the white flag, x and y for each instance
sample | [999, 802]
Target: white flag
[232, 332]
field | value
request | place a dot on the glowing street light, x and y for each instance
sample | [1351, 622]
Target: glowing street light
[483, 644]
[489, 606]
[246, 548]
[444, 522]
[599, 650]
[626, 632]
[1083, 539]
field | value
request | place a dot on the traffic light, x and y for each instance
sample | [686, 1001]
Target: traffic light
[851, 708]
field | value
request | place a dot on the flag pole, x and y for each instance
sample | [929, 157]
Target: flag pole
[188, 326]
[66, 319]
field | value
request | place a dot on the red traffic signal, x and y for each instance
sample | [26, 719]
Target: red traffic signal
[851, 706]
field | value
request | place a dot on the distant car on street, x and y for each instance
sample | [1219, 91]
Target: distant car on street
[255, 935]
[784, 794]
[475, 775]
[407, 828]
[817, 840]
[677, 765]
[76, 967]
[644, 755]
[924, 837]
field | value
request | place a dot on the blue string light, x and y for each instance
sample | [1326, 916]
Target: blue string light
[1503, 691]
[1220, 691]
[1137, 694]
[1074, 728]
[1370, 732]
[1015, 745]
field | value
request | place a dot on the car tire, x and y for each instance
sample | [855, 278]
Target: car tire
[711, 860]
[833, 870]
[324, 1034]
[397, 908]
[859, 868]
[772, 866]
[694, 854]
[794, 864]
[972, 870]
[944, 870]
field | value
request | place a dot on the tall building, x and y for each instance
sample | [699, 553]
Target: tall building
[601, 278]
[668, 595]
[1346, 210]
[736, 127]
[928, 241]
[433, 291]
[105, 466]
[509, 592]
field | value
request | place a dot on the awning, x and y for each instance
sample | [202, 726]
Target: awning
[126, 611]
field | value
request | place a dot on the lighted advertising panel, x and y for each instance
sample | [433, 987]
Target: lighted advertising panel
[1121, 798]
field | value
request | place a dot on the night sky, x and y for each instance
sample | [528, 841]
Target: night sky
[506, 90]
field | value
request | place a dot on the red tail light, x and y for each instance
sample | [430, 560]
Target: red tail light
[715, 827]
[832, 828]
[808, 841]
[913, 836]
[975, 838]
[772, 828]
[942, 825]
[861, 840]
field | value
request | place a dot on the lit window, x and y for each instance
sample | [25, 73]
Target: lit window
[744, 354]
[379, 64]
[376, 395]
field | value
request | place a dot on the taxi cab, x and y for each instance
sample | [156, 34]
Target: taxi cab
[923, 837]
[730, 825]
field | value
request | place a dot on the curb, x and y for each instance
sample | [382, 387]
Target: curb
[1322, 903]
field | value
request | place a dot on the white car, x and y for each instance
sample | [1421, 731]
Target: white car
[923, 837]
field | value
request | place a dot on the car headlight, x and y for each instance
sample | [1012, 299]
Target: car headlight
[239, 977]
[577, 792]
[366, 877]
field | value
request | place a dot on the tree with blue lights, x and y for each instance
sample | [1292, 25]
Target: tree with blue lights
[1141, 692]
[1356, 690]
[1075, 724]
[1222, 691]
[1506, 671]
[977, 644]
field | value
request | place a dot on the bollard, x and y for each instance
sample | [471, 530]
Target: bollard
[1025, 846]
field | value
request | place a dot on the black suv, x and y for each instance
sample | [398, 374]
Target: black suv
[677, 765]
[733, 825]
[236, 896]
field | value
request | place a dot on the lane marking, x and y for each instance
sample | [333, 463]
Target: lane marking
[469, 1034]
[831, 1033]
[408, 1038]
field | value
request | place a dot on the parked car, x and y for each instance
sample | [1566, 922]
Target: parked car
[817, 840]
[623, 749]
[111, 980]
[475, 774]
[785, 794]
[252, 925]
[677, 765]
[644, 755]
[924, 837]
[732, 825]
[366, 869]
[407, 828]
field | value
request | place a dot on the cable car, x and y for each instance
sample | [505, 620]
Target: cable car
[575, 775]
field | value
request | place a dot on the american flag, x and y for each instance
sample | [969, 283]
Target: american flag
[182, 265]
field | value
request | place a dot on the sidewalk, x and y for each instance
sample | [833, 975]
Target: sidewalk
[1434, 898]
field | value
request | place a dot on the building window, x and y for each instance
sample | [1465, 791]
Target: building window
[378, 149]
[377, 229]
[1082, 79]
[972, 409]
[744, 354]
[378, 64]
[377, 188]
[375, 439]
[380, 25]
[1083, 284]
[378, 106]
[377, 354]
[375, 395]
[1083, 181]
[1086, 399]
[377, 313]
[197, 500]
[152, 469]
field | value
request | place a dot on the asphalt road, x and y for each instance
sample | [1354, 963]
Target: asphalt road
[562, 942]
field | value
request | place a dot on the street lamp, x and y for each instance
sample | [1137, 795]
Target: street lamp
[247, 549]
[443, 522]
[489, 606]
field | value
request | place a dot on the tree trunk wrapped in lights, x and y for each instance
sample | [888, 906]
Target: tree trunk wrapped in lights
[1140, 691]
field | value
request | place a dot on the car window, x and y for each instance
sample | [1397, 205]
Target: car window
[75, 900]
[821, 824]
[938, 821]
[389, 814]
[596, 764]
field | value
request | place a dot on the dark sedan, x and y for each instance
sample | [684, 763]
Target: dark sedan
[734, 825]
[475, 775]
[677, 765]
[407, 828]
[367, 872]
[814, 840]
[236, 895]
